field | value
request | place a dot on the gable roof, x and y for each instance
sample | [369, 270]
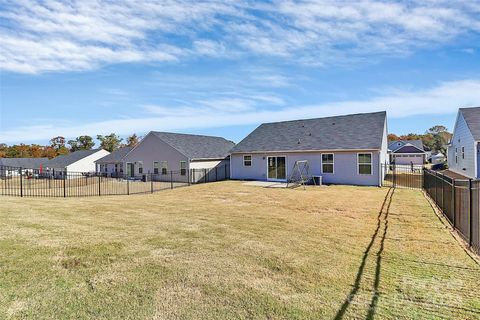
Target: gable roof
[68, 159]
[30, 163]
[197, 146]
[362, 131]
[472, 118]
[115, 156]
[395, 146]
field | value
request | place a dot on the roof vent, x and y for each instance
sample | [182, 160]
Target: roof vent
[333, 123]
[298, 141]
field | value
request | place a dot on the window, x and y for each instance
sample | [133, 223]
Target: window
[183, 168]
[106, 168]
[164, 167]
[327, 163]
[365, 163]
[463, 152]
[247, 161]
[116, 167]
[140, 167]
[155, 167]
[456, 155]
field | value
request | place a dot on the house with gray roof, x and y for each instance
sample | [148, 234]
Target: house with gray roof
[14, 166]
[28, 163]
[78, 161]
[464, 148]
[347, 149]
[407, 152]
[113, 164]
[158, 153]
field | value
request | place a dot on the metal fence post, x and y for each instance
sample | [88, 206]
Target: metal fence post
[151, 181]
[99, 185]
[128, 186]
[453, 203]
[216, 174]
[205, 175]
[64, 183]
[470, 214]
[188, 176]
[21, 182]
[171, 179]
[225, 172]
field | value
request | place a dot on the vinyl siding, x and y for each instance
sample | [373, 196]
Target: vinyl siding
[345, 167]
[151, 149]
[87, 164]
[462, 137]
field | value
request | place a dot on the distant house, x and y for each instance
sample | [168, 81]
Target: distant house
[11, 166]
[407, 152]
[437, 158]
[113, 164]
[159, 153]
[347, 149]
[464, 148]
[78, 161]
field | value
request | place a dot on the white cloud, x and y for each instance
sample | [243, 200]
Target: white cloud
[444, 98]
[87, 34]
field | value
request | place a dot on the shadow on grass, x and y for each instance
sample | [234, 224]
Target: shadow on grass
[384, 210]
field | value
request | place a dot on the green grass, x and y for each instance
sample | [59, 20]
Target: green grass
[227, 251]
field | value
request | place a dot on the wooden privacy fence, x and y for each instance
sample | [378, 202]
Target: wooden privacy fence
[25, 182]
[459, 201]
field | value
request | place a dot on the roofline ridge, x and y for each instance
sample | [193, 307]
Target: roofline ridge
[328, 117]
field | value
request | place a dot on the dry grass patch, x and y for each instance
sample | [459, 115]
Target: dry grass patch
[227, 251]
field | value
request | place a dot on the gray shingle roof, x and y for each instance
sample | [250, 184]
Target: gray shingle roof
[197, 146]
[349, 132]
[68, 159]
[395, 145]
[115, 156]
[31, 163]
[472, 117]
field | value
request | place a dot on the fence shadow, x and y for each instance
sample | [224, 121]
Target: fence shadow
[384, 211]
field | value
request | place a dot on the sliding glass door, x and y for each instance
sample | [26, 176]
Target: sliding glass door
[277, 169]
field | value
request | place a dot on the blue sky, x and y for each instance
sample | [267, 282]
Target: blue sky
[223, 67]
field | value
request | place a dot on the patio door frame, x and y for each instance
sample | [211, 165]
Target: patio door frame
[130, 170]
[276, 168]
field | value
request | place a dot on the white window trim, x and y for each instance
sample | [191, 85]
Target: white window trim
[463, 153]
[371, 164]
[251, 160]
[166, 167]
[183, 169]
[321, 163]
[153, 166]
[286, 167]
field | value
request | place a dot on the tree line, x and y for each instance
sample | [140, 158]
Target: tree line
[59, 146]
[434, 139]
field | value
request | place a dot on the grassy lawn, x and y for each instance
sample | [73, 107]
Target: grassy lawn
[226, 251]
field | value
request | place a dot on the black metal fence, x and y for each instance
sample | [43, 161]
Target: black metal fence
[459, 201]
[25, 182]
[403, 176]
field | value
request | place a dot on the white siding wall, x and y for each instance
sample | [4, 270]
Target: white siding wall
[87, 164]
[462, 138]
[204, 164]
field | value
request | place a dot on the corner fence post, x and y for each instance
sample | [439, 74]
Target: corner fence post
[21, 182]
[171, 179]
[470, 215]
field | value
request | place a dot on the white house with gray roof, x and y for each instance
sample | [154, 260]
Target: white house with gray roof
[159, 153]
[347, 149]
[464, 148]
[407, 152]
[78, 161]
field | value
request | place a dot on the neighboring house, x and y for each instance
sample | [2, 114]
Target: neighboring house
[437, 158]
[112, 164]
[346, 149]
[405, 152]
[78, 161]
[464, 148]
[11, 166]
[161, 152]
